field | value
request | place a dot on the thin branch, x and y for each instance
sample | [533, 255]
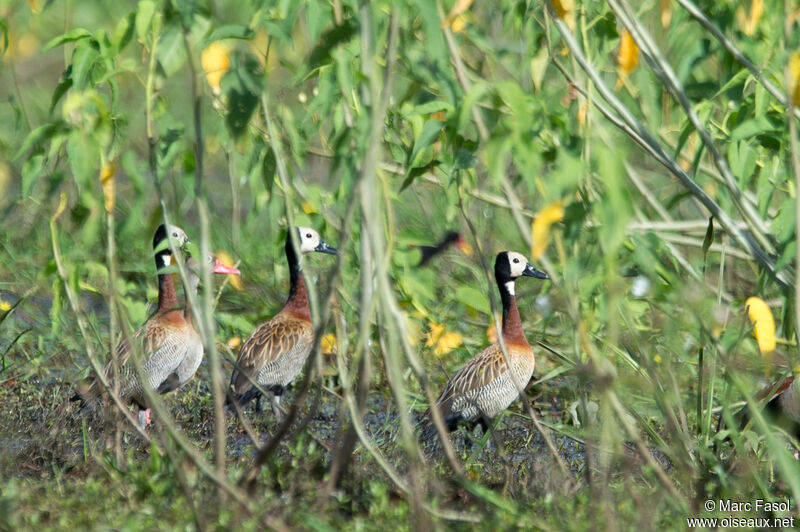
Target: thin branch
[206, 318]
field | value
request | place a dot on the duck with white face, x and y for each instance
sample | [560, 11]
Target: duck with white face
[163, 247]
[168, 342]
[485, 386]
[277, 350]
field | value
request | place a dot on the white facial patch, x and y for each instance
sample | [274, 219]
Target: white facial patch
[309, 239]
[177, 235]
[166, 259]
[510, 287]
[517, 263]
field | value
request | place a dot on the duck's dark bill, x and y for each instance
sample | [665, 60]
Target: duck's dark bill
[530, 271]
[324, 247]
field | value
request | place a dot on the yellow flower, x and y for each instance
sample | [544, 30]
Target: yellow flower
[666, 13]
[433, 336]
[454, 19]
[227, 260]
[215, 61]
[628, 52]
[794, 77]
[234, 342]
[491, 333]
[763, 324]
[5, 306]
[657, 359]
[565, 9]
[459, 24]
[582, 113]
[749, 21]
[540, 230]
[328, 344]
[107, 172]
[441, 340]
[447, 342]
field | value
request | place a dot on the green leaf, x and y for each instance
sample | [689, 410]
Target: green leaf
[317, 16]
[32, 170]
[4, 41]
[430, 132]
[539, 67]
[144, 16]
[83, 59]
[230, 31]
[64, 84]
[414, 173]
[788, 255]
[492, 497]
[83, 154]
[187, 9]
[123, 33]
[171, 50]
[322, 52]
[431, 35]
[242, 85]
[783, 225]
[41, 133]
[709, 238]
[268, 167]
[752, 127]
[737, 79]
[427, 108]
[56, 305]
[72, 35]
[472, 297]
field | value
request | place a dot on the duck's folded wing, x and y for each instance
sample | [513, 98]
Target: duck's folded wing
[482, 370]
[267, 347]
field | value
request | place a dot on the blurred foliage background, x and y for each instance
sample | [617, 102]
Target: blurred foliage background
[644, 155]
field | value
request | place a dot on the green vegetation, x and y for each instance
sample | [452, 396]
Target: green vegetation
[653, 146]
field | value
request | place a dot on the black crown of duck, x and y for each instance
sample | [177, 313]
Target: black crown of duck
[171, 347]
[276, 351]
[484, 386]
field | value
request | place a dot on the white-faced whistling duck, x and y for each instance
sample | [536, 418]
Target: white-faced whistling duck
[276, 351]
[484, 387]
[171, 347]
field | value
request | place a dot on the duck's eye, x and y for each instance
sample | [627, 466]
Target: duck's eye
[516, 261]
[308, 235]
[175, 235]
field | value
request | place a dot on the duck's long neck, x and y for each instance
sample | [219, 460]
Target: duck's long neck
[512, 323]
[191, 288]
[297, 304]
[167, 297]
